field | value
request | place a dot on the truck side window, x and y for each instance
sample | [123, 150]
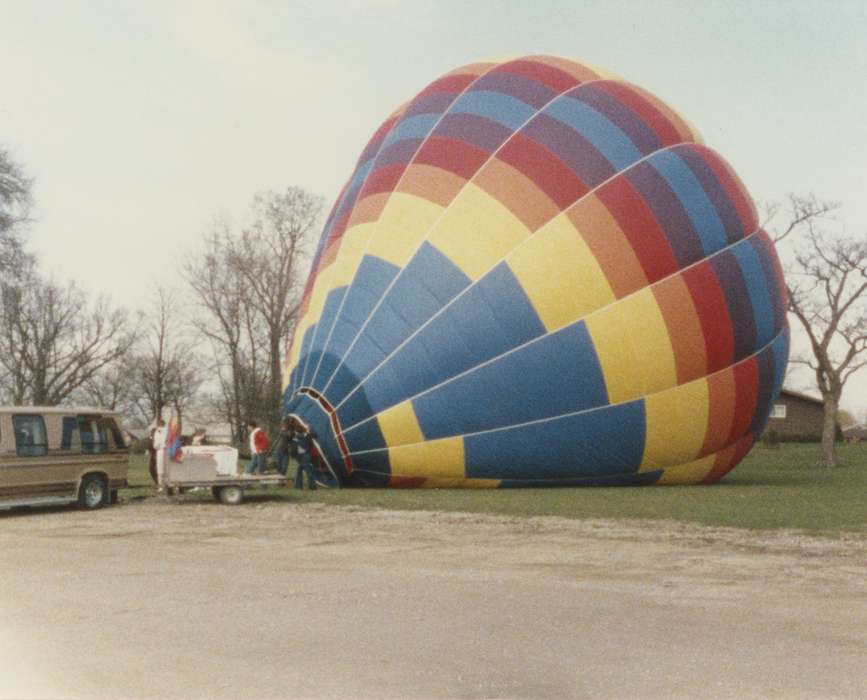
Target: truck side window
[115, 437]
[71, 438]
[31, 440]
[92, 435]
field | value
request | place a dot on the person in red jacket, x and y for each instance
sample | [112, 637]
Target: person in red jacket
[259, 445]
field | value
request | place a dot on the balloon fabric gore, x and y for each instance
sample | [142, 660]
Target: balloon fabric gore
[538, 275]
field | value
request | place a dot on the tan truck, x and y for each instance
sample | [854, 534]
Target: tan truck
[56, 455]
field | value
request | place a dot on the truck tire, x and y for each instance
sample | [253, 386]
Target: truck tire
[93, 492]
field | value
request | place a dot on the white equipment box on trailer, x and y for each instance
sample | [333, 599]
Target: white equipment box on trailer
[215, 467]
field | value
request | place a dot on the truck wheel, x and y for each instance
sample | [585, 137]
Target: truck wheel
[93, 493]
[231, 495]
[215, 492]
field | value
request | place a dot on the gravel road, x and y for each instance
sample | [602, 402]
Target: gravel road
[187, 599]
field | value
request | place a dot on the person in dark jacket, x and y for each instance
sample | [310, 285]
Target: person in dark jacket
[152, 453]
[302, 439]
[283, 446]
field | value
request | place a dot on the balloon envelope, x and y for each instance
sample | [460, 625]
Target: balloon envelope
[538, 275]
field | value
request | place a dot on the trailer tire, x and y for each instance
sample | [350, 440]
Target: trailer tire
[231, 495]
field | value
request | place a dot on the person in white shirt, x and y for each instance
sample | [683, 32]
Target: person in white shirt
[160, 435]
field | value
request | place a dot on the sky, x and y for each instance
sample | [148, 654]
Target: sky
[141, 122]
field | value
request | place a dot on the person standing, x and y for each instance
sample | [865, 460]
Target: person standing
[303, 441]
[259, 444]
[152, 453]
[159, 445]
[284, 444]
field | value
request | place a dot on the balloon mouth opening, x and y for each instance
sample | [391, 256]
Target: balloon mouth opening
[313, 410]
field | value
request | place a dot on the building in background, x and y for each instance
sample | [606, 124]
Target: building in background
[212, 430]
[856, 433]
[796, 417]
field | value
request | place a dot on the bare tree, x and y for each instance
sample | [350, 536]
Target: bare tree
[164, 370]
[799, 210]
[109, 388]
[15, 201]
[248, 286]
[54, 339]
[221, 296]
[268, 256]
[827, 285]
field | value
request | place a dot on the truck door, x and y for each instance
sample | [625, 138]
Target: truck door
[32, 472]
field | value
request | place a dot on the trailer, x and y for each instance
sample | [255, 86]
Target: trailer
[216, 468]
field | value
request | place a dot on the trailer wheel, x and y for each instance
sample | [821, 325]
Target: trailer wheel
[231, 495]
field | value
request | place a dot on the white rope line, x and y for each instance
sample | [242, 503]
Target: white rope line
[506, 256]
[569, 414]
[516, 250]
[638, 472]
[299, 377]
[291, 386]
[367, 245]
[439, 218]
[539, 338]
[398, 114]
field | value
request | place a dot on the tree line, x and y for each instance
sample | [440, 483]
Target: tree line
[213, 346]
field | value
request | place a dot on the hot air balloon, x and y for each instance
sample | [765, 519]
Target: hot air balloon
[538, 275]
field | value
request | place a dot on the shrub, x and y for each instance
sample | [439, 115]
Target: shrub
[771, 438]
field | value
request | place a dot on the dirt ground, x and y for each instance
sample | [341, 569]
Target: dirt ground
[164, 599]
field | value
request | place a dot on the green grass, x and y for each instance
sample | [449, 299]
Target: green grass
[773, 488]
